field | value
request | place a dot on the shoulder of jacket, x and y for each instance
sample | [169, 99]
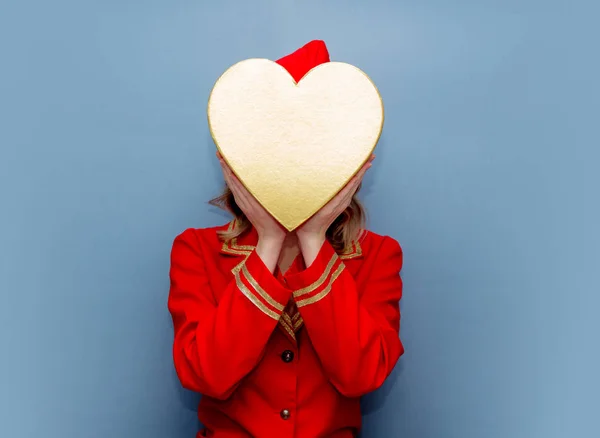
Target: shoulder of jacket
[202, 236]
[373, 242]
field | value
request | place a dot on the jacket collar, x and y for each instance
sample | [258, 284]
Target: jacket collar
[246, 243]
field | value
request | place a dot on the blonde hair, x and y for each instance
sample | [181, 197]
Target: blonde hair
[346, 229]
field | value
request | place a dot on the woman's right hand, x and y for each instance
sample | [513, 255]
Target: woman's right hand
[270, 233]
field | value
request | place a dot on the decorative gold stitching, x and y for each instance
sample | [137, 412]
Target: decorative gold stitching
[298, 324]
[259, 289]
[231, 224]
[324, 292]
[235, 246]
[237, 268]
[232, 247]
[355, 252]
[288, 329]
[320, 281]
[286, 322]
[230, 250]
[242, 287]
[286, 318]
[295, 321]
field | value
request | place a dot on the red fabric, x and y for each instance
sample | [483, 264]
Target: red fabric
[291, 309]
[305, 58]
[231, 334]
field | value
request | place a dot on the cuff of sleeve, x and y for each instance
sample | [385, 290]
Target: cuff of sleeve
[318, 276]
[262, 284]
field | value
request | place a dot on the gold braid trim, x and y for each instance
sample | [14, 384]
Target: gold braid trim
[324, 292]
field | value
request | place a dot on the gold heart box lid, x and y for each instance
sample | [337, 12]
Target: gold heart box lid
[297, 130]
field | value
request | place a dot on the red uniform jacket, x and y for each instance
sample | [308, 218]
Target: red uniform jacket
[269, 368]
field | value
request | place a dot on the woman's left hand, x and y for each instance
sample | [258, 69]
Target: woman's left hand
[312, 233]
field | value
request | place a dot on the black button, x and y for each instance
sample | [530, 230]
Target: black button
[285, 414]
[287, 356]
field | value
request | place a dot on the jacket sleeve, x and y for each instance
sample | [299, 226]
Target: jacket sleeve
[214, 347]
[355, 333]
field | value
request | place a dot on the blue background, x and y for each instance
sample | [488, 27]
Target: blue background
[487, 173]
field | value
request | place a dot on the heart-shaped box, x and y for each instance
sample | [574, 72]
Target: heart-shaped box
[294, 146]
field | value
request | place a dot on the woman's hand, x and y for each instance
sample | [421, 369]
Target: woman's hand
[312, 234]
[270, 233]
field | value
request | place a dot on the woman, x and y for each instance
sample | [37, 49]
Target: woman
[283, 332]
